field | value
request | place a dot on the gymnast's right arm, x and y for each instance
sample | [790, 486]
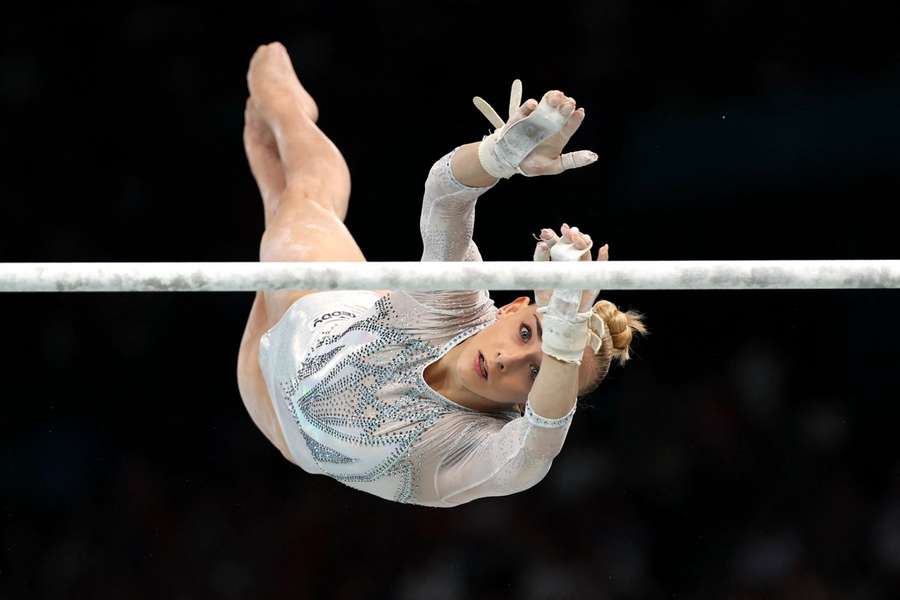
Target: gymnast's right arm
[469, 456]
[481, 457]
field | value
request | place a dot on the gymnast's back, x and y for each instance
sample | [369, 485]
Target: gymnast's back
[345, 372]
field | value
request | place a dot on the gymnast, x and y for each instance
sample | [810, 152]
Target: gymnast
[428, 398]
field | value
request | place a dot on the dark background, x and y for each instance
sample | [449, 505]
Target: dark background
[748, 451]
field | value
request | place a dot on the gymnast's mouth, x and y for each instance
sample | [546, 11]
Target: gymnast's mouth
[481, 366]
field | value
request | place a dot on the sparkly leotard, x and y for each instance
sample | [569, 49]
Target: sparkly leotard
[345, 373]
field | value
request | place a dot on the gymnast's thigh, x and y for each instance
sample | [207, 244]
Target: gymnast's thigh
[251, 385]
[300, 231]
[303, 231]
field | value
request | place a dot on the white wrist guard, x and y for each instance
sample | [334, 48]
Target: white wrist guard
[501, 152]
[566, 330]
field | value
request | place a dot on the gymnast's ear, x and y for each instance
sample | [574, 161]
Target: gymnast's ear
[514, 306]
[517, 304]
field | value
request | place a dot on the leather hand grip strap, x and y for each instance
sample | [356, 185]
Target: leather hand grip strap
[501, 152]
[566, 329]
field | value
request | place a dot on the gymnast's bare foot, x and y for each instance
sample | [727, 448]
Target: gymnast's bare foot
[272, 77]
[265, 163]
[308, 158]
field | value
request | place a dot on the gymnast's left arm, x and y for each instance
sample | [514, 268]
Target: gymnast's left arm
[530, 143]
[448, 212]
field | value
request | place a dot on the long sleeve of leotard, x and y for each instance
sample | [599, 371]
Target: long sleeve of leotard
[448, 215]
[468, 456]
[446, 224]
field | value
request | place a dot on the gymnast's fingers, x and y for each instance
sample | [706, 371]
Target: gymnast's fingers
[572, 125]
[574, 160]
[549, 237]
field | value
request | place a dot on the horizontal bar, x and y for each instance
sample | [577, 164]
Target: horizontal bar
[494, 275]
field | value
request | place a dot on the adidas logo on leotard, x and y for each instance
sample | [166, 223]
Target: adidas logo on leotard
[338, 314]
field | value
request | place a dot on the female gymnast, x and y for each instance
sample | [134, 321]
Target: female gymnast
[429, 398]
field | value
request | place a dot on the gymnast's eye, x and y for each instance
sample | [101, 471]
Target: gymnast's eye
[527, 337]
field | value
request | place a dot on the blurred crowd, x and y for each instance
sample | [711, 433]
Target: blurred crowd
[729, 487]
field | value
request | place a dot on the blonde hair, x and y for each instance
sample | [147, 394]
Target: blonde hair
[618, 334]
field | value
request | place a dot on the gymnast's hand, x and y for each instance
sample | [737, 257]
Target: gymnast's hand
[547, 158]
[572, 239]
[550, 126]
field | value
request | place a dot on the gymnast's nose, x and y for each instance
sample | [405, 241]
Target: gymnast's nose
[511, 360]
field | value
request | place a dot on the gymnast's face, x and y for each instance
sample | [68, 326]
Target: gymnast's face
[501, 362]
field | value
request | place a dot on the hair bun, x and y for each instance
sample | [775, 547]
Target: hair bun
[620, 327]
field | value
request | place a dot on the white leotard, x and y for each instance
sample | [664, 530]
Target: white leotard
[345, 373]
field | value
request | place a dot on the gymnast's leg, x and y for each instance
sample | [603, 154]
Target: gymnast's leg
[310, 160]
[265, 164]
[306, 218]
[305, 186]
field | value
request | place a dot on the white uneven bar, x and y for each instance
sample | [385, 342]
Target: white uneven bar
[495, 275]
